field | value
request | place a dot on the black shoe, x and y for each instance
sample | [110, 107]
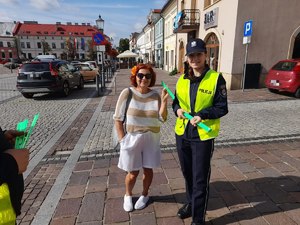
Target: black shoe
[185, 211]
[197, 223]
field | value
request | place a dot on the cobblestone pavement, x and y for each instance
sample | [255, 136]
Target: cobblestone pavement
[73, 178]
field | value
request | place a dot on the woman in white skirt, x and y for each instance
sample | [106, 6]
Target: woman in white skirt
[140, 138]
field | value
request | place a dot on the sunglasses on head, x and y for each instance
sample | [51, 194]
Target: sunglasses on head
[141, 76]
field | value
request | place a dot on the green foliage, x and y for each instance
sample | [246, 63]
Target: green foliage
[173, 72]
[123, 45]
[46, 47]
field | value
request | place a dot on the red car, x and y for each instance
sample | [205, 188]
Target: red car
[284, 76]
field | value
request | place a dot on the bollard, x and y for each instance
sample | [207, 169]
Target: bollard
[97, 85]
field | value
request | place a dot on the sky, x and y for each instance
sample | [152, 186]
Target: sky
[122, 17]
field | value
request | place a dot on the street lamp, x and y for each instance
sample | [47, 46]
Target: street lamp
[100, 55]
[100, 24]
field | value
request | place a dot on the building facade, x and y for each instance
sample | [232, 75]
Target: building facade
[8, 43]
[56, 39]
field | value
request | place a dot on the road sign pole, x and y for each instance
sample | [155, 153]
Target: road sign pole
[245, 66]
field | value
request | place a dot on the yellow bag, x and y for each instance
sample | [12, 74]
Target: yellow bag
[7, 213]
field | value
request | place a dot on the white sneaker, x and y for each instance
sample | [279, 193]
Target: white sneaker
[127, 205]
[141, 202]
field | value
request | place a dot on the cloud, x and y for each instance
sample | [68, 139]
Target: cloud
[9, 2]
[138, 27]
[45, 5]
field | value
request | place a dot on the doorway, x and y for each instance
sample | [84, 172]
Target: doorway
[296, 51]
[212, 45]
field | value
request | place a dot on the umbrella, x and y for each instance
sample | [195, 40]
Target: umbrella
[127, 54]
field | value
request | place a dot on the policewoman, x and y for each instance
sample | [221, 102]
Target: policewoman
[201, 92]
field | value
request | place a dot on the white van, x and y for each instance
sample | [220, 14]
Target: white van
[47, 57]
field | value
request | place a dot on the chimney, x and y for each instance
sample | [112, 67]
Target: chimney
[88, 24]
[58, 23]
[76, 23]
[83, 24]
[69, 23]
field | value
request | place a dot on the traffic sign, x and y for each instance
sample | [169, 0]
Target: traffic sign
[98, 39]
[248, 28]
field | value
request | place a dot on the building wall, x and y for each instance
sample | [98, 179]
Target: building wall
[170, 39]
[158, 43]
[225, 32]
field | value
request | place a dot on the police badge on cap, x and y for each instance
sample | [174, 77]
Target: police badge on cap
[195, 46]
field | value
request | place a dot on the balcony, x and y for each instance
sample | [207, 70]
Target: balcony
[187, 20]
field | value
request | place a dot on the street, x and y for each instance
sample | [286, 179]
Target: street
[72, 157]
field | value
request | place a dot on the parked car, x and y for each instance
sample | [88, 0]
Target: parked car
[284, 76]
[3, 61]
[48, 76]
[42, 57]
[92, 64]
[86, 71]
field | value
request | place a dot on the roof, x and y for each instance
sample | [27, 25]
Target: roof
[6, 28]
[33, 29]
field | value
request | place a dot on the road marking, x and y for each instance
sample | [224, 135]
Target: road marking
[46, 211]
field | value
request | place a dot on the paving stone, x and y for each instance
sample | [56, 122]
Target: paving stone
[68, 208]
[165, 209]
[145, 219]
[79, 178]
[97, 184]
[114, 212]
[169, 220]
[92, 207]
[278, 219]
[76, 191]
[63, 221]
[82, 166]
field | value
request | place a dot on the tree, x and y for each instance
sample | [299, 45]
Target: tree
[123, 45]
[46, 47]
[92, 54]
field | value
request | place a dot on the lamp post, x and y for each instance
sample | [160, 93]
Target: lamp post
[100, 51]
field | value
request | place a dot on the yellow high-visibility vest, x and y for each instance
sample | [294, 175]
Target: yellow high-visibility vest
[7, 212]
[204, 99]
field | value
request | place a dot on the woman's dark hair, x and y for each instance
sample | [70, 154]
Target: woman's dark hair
[135, 70]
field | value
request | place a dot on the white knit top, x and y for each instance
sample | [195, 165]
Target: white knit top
[143, 111]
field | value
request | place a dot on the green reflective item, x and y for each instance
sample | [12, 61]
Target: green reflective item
[7, 213]
[21, 141]
[187, 115]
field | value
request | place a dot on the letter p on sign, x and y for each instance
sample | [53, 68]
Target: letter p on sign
[248, 28]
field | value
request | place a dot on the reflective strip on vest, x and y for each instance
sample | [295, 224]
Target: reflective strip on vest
[7, 213]
[204, 99]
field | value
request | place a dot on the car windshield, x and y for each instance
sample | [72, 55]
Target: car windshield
[35, 67]
[284, 66]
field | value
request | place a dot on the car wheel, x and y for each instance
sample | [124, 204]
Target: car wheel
[66, 89]
[27, 95]
[297, 93]
[81, 84]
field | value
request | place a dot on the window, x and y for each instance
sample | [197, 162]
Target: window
[1, 44]
[28, 44]
[10, 54]
[3, 55]
[39, 45]
[208, 3]
[62, 45]
[53, 45]
[29, 56]
[22, 45]
[9, 45]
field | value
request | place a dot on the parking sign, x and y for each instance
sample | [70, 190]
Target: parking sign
[248, 28]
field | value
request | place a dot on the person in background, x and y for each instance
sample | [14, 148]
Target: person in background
[201, 92]
[13, 162]
[140, 140]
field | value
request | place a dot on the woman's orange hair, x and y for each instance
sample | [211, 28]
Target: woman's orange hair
[135, 70]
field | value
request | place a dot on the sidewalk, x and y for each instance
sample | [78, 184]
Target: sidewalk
[250, 184]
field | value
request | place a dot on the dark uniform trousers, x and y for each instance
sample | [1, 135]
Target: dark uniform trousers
[195, 157]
